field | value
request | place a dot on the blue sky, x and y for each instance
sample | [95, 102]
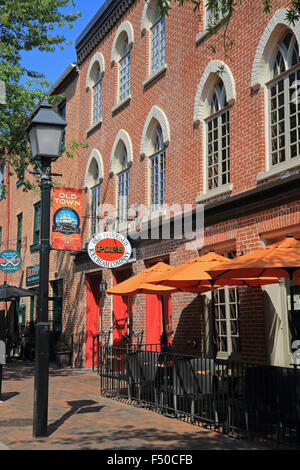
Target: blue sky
[53, 64]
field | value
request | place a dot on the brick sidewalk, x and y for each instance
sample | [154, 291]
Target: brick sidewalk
[79, 418]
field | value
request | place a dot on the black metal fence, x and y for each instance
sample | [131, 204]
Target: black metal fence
[236, 399]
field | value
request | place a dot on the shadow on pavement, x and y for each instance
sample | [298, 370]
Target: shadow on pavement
[6, 396]
[78, 406]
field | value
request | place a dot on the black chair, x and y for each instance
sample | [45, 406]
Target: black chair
[193, 381]
[262, 399]
[142, 376]
[151, 369]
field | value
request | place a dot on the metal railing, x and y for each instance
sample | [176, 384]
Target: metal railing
[237, 399]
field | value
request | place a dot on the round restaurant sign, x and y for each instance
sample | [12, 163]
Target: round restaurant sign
[109, 249]
[10, 261]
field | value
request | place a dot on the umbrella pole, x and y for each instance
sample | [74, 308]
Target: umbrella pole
[213, 315]
[293, 323]
[163, 338]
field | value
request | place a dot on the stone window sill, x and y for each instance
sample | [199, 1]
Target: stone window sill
[155, 75]
[278, 169]
[120, 105]
[201, 36]
[222, 191]
[93, 127]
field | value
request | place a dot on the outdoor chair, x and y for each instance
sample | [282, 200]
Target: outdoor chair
[262, 399]
[141, 370]
[193, 381]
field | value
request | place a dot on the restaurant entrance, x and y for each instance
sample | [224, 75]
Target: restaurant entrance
[122, 310]
[93, 313]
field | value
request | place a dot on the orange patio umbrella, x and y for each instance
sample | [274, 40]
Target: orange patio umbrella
[280, 259]
[193, 276]
[140, 284]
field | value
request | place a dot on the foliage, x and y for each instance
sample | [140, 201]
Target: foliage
[62, 344]
[24, 26]
[221, 13]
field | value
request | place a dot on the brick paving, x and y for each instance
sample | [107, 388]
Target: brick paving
[80, 419]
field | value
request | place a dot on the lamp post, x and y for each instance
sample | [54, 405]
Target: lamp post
[45, 134]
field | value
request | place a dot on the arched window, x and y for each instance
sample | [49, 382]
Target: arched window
[95, 198]
[123, 187]
[120, 58]
[97, 96]
[218, 150]
[284, 101]
[121, 160]
[124, 71]
[93, 180]
[94, 83]
[158, 47]
[153, 24]
[157, 170]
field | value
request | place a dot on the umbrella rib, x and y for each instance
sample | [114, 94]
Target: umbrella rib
[222, 273]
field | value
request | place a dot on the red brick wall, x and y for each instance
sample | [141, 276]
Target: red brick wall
[174, 92]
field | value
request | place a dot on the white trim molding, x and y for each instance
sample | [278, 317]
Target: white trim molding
[114, 165]
[124, 28]
[158, 115]
[260, 73]
[205, 87]
[98, 57]
[148, 15]
[96, 156]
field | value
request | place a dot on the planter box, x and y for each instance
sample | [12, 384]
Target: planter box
[63, 358]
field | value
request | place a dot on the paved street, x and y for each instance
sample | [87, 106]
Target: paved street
[79, 418]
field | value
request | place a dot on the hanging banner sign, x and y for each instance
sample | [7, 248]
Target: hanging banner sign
[66, 229]
[10, 261]
[109, 249]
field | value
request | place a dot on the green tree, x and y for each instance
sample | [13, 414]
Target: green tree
[26, 25]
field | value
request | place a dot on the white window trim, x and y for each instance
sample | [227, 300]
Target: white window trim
[124, 27]
[152, 72]
[119, 77]
[281, 167]
[98, 211]
[97, 58]
[224, 190]
[205, 33]
[122, 225]
[161, 210]
[269, 169]
[125, 138]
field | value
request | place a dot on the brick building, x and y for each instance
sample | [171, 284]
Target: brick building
[164, 127]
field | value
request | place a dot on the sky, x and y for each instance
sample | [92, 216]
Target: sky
[53, 64]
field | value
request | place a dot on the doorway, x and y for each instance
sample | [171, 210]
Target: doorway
[93, 314]
[122, 310]
[155, 305]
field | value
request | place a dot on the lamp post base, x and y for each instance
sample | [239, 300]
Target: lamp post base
[41, 384]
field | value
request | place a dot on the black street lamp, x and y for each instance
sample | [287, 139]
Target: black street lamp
[45, 135]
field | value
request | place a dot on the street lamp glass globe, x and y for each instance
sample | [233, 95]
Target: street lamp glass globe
[46, 133]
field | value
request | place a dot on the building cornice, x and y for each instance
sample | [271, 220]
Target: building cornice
[104, 20]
